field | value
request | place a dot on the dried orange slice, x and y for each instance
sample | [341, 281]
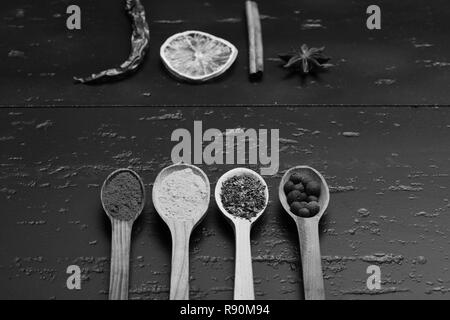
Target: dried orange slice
[197, 56]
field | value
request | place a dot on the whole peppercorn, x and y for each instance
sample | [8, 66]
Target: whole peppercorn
[313, 208]
[293, 196]
[296, 206]
[312, 198]
[304, 212]
[288, 187]
[300, 187]
[313, 188]
[302, 196]
[306, 178]
[303, 203]
[296, 178]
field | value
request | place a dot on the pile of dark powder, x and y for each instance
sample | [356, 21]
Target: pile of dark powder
[123, 196]
[243, 196]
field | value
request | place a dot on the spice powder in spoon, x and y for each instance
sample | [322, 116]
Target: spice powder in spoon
[243, 196]
[183, 195]
[123, 196]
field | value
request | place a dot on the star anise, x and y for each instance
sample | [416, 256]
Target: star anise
[306, 59]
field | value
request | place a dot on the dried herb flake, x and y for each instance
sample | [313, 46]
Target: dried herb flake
[243, 196]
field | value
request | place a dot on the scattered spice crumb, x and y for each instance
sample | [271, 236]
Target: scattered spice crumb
[350, 134]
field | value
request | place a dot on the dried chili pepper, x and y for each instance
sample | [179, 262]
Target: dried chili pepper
[140, 40]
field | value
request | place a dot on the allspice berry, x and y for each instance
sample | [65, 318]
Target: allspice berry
[296, 206]
[303, 192]
[313, 188]
[313, 208]
[306, 178]
[302, 196]
[299, 186]
[304, 212]
[294, 196]
[296, 178]
[288, 187]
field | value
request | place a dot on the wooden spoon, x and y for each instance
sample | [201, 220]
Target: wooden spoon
[181, 229]
[243, 276]
[308, 231]
[121, 239]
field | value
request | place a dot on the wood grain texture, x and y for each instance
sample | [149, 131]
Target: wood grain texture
[308, 233]
[408, 56]
[243, 274]
[120, 259]
[179, 278]
[389, 189]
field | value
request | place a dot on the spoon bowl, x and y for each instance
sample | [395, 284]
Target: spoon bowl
[243, 278]
[110, 178]
[180, 224]
[308, 232]
[239, 172]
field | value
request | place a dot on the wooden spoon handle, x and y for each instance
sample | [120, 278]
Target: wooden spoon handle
[308, 231]
[179, 279]
[120, 260]
[243, 275]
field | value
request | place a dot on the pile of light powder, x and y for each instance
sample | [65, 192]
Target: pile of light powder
[183, 194]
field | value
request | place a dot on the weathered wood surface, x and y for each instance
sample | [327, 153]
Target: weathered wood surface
[407, 62]
[389, 201]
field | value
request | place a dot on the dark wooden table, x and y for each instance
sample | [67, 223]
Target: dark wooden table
[407, 62]
[389, 203]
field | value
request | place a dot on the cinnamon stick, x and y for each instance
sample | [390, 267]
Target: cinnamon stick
[256, 58]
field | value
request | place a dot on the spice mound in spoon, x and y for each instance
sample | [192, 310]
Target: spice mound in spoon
[183, 194]
[243, 196]
[123, 195]
[302, 193]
